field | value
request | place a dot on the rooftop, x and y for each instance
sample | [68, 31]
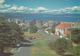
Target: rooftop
[64, 26]
[67, 32]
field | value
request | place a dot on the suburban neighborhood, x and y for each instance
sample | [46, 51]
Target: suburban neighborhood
[39, 27]
[28, 33]
[61, 30]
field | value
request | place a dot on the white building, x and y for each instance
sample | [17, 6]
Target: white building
[62, 29]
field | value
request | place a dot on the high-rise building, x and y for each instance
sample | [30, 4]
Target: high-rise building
[39, 24]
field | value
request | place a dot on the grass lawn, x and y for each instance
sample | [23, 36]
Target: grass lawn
[37, 35]
[41, 48]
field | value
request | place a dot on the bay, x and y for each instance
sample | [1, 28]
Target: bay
[47, 18]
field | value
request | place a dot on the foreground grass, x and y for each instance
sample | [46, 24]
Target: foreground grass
[41, 48]
[37, 35]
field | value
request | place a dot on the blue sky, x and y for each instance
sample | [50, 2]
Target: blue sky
[40, 6]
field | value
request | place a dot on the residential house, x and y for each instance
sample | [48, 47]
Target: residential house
[63, 29]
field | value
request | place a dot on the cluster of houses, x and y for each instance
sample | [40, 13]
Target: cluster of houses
[39, 24]
[61, 29]
[26, 23]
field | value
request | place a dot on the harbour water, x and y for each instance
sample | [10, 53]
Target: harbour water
[65, 19]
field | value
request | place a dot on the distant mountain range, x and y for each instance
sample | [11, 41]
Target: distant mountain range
[23, 15]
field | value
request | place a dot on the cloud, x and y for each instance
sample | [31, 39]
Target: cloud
[3, 4]
[75, 9]
[22, 9]
[14, 7]
[67, 10]
[3, 10]
[39, 10]
[2, 1]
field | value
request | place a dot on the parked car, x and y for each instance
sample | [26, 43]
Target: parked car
[18, 44]
[32, 38]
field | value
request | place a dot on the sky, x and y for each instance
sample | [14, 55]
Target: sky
[40, 6]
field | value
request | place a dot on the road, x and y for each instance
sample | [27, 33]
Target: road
[48, 36]
[25, 50]
[22, 51]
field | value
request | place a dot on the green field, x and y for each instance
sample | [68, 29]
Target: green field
[41, 48]
[28, 34]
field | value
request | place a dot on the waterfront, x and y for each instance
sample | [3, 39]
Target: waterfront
[60, 19]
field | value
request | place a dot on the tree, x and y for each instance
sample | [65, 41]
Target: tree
[75, 35]
[17, 32]
[60, 46]
[4, 34]
[51, 45]
[53, 30]
[9, 34]
[70, 46]
[26, 29]
[77, 50]
[33, 29]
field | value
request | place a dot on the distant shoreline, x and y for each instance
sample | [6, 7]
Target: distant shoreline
[47, 18]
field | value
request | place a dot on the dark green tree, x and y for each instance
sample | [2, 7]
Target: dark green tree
[4, 34]
[17, 32]
[76, 50]
[75, 35]
[60, 46]
[51, 45]
[70, 46]
[9, 34]
[53, 30]
[33, 29]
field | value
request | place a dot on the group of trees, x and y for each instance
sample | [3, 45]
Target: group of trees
[75, 35]
[32, 29]
[10, 34]
[61, 46]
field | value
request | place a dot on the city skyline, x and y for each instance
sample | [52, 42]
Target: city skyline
[40, 6]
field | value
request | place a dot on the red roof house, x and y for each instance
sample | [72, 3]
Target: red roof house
[64, 26]
[62, 29]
